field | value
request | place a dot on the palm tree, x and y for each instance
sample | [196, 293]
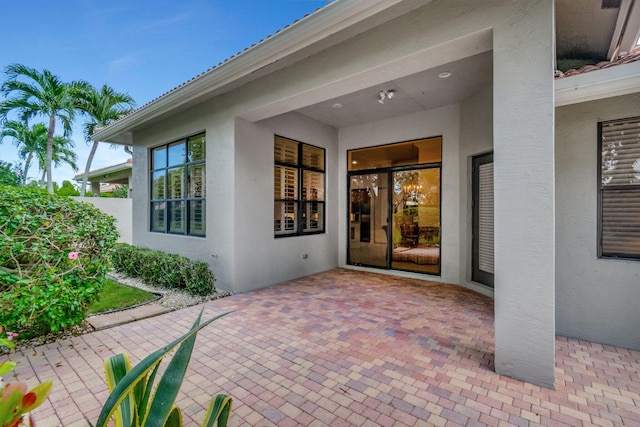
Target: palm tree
[63, 153]
[102, 107]
[43, 94]
[32, 141]
[25, 139]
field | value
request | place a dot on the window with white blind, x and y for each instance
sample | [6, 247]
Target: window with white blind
[298, 188]
[619, 189]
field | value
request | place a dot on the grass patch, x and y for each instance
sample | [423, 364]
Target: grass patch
[115, 296]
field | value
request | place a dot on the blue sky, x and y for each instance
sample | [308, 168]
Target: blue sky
[143, 48]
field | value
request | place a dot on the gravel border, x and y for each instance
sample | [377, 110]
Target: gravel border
[173, 299]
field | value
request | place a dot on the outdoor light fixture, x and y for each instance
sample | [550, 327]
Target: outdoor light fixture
[385, 94]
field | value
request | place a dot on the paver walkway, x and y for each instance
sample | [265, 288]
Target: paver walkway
[347, 348]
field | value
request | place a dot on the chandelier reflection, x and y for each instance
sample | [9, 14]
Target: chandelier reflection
[412, 190]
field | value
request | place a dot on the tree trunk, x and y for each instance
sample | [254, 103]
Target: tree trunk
[27, 163]
[52, 129]
[87, 168]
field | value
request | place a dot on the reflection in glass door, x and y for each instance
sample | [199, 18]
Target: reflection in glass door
[368, 219]
[416, 220]
[394, 205]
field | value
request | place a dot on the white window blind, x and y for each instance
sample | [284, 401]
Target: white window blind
[621, 153]
[485, 232]
[620, 189]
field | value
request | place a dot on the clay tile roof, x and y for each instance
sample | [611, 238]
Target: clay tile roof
[219, 64]
[633, 56]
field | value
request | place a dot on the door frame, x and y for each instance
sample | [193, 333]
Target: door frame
[478, 275]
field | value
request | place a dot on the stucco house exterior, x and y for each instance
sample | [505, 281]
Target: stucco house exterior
[113, 175]
[424, 138]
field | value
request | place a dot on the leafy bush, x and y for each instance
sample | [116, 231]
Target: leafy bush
[163, 269]
[9, 174]
[54, 252]
[121, 191]
[17, 400]
[67, 189]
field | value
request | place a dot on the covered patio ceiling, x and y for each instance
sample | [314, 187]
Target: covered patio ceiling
[442, 85]
[576, 42]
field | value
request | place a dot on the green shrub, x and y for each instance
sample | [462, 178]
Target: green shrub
[54, 252]
[9, 174]
[67, 189]
[163, 269]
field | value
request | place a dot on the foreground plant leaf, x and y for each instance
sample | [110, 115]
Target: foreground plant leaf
[218, 411]
[133, 386]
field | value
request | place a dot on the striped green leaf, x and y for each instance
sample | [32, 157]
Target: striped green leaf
[174, 419]
[218, 411]
[115, 369]
[139, 373]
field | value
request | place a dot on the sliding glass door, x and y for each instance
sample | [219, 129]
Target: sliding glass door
[394, 206]
[416, 220]
[368, 219]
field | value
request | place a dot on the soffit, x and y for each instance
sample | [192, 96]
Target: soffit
[417, 92]
[585, 28]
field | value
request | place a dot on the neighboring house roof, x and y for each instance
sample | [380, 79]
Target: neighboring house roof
[626, 59]
[106, 172]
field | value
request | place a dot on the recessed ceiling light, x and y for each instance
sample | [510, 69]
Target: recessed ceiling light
[337, 105]
[354, 162]
[444, 74]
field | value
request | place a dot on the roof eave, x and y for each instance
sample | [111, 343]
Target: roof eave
[614, 81]
[331, 19]
[105, 171]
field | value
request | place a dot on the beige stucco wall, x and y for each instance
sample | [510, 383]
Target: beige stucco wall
[596, 299]
[120, 209]
[476, 137]
[262, 259]
[440, 32]
[217, 247]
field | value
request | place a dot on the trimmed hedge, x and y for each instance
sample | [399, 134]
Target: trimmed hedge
[163, 269]
[54, 253]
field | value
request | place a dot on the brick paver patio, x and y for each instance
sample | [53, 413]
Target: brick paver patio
[346, 348]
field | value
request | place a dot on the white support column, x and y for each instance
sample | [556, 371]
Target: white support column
[524, 193]
[95, 188]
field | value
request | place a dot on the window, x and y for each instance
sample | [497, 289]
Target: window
[298, 188]
[619, 189]
[178, 187]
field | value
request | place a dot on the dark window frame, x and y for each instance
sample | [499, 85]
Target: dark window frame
[390, 170]
[299, 201]
[610, 188]
[186, 199]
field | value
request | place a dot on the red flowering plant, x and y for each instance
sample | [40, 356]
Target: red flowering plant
[16, 400]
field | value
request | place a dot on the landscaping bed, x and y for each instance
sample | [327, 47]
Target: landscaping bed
[173, 299]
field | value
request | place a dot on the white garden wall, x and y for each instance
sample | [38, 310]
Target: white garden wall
[120, 209]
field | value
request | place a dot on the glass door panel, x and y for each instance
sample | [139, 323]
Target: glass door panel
[416, 220]
[368, 219]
